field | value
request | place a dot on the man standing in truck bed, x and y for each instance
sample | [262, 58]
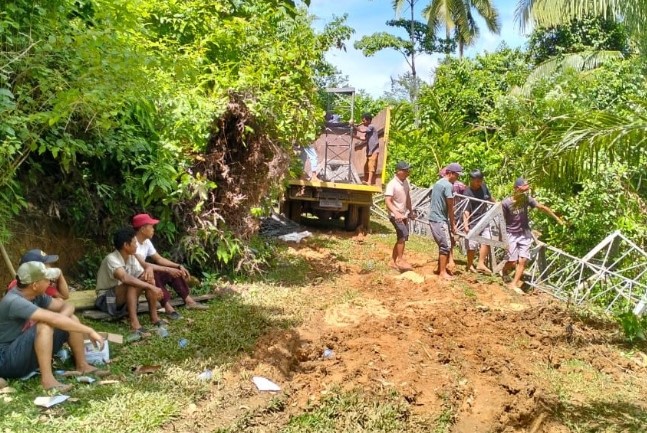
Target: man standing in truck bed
[372, 142]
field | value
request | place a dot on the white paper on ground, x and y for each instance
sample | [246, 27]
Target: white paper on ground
[295, 237]
[50, 401]
[264, 384]
[85, 379]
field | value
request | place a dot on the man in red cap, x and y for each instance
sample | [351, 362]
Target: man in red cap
[165, 272]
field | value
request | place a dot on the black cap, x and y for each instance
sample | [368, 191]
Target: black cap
[403, 166]
[476, 174]
[37, 255]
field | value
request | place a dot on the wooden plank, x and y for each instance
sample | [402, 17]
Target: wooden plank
[91, 313]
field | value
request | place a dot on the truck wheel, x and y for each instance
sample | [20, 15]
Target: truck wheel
[294, 210]
[351, 219]
[365, 217]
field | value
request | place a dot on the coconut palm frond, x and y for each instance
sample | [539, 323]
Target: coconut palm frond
[489, 13]
[572, 144]
[583, 61]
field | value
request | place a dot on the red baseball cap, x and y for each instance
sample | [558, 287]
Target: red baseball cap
[141, 219]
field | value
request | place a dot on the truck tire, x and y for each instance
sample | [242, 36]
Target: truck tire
[351, 219]
[294, 210]
[365, 217]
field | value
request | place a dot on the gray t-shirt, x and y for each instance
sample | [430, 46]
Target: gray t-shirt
[516, 217]
[15, 312]
[441, 191]
[113, 261]
[372, 140]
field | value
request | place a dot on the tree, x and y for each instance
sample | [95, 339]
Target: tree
[548, 13]
[457, 17]
[420, 40]
[578, 35]
[576, 139]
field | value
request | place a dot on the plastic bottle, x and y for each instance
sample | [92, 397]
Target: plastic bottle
[162, 332]
[183, 343]
[133, 336]
[63, 355]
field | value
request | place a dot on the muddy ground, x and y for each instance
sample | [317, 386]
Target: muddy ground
[470, 351]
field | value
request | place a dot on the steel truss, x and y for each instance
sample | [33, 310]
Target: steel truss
[613, 274]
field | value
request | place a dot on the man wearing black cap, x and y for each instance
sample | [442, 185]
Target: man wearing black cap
[515, 211]
[473, 213]
[398, 202]
[441, 216]
[57, 288]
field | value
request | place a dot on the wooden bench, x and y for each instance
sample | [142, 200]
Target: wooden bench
[84, 301]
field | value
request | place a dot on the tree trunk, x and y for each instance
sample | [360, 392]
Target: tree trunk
[414, 89]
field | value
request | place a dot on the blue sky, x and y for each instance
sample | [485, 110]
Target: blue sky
[369, 16]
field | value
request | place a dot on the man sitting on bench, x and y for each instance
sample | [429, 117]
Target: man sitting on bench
[121, 280]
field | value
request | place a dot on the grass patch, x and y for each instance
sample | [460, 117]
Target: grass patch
[137, 403]
[356, 412]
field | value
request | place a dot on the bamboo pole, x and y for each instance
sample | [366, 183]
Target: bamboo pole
[7, 261]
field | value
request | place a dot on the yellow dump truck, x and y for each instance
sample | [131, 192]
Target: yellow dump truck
[339, 154]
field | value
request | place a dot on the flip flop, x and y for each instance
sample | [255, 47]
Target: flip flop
[174, 315]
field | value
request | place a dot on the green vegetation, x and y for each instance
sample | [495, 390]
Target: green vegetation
[341, 411]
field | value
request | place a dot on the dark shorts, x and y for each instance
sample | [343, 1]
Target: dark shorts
[18, 358]
[107, 302]
[401, 229]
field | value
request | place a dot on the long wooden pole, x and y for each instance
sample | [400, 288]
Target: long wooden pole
[7, 261]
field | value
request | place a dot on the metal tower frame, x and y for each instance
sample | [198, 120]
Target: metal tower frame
[338, 151]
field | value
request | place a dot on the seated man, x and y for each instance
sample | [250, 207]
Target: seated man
[164, 271]
[34, 326]
[121, 279]
[56, 289]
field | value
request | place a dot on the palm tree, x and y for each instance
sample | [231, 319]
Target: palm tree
[458, 19]
[578, 140]
[547, 13]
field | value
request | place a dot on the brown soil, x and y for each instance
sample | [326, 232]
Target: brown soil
[469, 345]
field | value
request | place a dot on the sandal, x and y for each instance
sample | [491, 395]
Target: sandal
[174, 315]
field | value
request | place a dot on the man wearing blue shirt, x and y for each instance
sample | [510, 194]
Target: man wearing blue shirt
[441, 216]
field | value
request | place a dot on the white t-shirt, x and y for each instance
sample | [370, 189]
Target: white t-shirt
[145, 249]
[399, 190]
[110, 263]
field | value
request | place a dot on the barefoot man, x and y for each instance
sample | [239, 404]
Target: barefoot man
[515, 211]
[398, 201]
[473, 212]
[441, 216]
[34, 326]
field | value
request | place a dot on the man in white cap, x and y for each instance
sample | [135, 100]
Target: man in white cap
[34, 326]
